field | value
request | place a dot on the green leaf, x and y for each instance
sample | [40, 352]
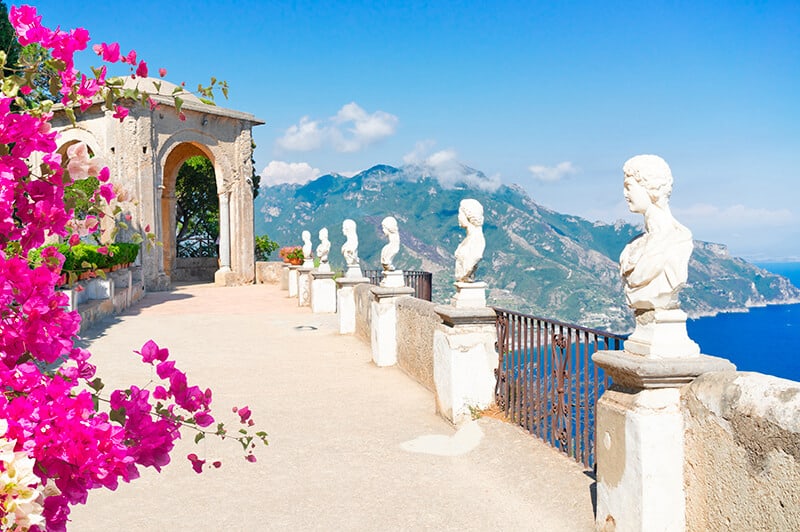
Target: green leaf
[157, 85]
[70, 112]
[118, 415]
[178, 104]
[199, 436]
[96, 384]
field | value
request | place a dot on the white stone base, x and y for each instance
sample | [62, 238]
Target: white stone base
[323, 292]
[383, 332]
[393, 279]
[303, 287]
[464, 360]
[662, 334]
[346, 303]
[285, 276]
[640, 461]
[224, 277]
[470, 295]
[308, 263]
[354, 272]
[293, 278]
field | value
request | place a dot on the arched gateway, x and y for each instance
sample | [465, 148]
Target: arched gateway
[144, 153]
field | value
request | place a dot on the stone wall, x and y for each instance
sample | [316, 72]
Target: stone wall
[416, 322]
[364, 312]
[742, 452]
[269, 272]
[195, 269]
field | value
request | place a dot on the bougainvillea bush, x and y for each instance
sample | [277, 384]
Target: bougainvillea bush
[61, 435]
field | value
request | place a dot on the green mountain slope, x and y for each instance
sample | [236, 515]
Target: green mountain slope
[536, 260]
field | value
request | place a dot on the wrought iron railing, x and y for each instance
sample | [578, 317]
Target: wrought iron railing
[546, 381]
[419, 281]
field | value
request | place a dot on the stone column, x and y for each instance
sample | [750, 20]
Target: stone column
[640, 440]
[384, 323]
[346, 299]
[304, 285]
[285, 276]
[293, 280]
[464, 356]
[323, 291]
[224, 276]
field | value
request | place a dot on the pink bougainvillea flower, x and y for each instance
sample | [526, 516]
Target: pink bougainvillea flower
[244, 414]
[250, 458]
[152, 103]
[120, 112]
[74, 239]
[197, 464]
[182, 117]
[103, 250]
[162, 72]
[104, 174]
[130, 58]
[109, 52]
[25, 90]
[141, 70]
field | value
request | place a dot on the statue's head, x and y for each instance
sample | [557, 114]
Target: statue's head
[323, 233]
[389, 225]
[470, 211]
[306, 236]
[348, 227]
[651, 173]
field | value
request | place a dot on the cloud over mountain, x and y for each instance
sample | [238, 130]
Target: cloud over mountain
[277, 172]
[550, 174]
[352, 129]
[447, 169]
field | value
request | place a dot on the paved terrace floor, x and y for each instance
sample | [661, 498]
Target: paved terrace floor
[352, 446]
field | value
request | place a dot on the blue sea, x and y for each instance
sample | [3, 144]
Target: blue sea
[766, 339]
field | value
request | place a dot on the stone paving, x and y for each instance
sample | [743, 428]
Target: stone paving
[352, 446]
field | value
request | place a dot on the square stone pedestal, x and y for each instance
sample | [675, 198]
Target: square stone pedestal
[293, 280]
[346, 302]
[393, 279]
[285, 276]
[384, 323]
[470, 295]
[464, 360]
[640, 439]
[304, 286]
[354, 272]
[224, 277]
[323, 292]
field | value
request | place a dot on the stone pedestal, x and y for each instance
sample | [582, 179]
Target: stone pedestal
[384, 323]
[224, 277]
[354, 272]
[464, 360]
[469, 295]
[639, 440]
[304, 286]
[323, 291]
[661, 334]
[293, 279]
[285, 276]
[393, 279]
[346, 302]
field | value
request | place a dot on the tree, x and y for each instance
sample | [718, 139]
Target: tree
[197, 209]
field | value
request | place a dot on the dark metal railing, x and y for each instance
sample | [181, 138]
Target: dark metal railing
[546, 381]
[419, 281]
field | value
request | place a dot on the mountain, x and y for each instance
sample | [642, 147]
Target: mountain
[536, 260]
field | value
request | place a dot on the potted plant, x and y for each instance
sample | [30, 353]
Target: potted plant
[292, 254]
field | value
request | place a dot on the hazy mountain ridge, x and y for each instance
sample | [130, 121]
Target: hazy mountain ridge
[536, 260]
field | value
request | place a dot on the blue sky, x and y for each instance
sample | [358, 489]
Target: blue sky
[551, 96]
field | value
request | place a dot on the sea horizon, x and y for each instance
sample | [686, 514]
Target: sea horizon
[763, 339]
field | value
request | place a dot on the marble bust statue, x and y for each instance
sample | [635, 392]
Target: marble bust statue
[350, 246]
[390, 229]
[306, 244]
[654, 265]
[324, 246]
[470, 250]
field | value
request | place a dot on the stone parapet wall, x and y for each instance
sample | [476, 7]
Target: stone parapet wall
[742, 452]
[364, 311]
[416, 322]
[268, 272]
[189, 269]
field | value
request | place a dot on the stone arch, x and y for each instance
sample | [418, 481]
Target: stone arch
[144, 153]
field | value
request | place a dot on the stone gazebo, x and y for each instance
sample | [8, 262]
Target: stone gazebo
[144, 153]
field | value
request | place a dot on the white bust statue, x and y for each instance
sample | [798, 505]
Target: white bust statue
[306, 244]
[470, 250]
[324, 246]
[389, 225]
[350, 246]
[654, 265]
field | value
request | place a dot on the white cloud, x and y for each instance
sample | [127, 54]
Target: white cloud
[352, 129]
[551, 174]
[447, 169]
[277, 172]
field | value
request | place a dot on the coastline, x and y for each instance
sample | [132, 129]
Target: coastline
[740, 310]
